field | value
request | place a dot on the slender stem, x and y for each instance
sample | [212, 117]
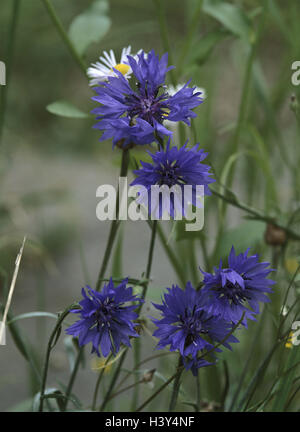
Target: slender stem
[58, 24]
[140, 381]
[164, 35]
[137, 345]
[94, 403]
[158, 391]
[241, 120]
[137, 358]
[247, 362]
[257, 214]
[150, 258]
[113, 381]
[246, 91]
[198, 392]
[72, 377]
[108, 250]
[9, 59]
[114, 225]
[171, 255]
[176, 386]
[190, 33]
[145, 361]
[49, 348]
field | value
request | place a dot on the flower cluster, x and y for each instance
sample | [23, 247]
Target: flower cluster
[196, 323]
[193, 320]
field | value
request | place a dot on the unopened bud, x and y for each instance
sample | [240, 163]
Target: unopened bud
[148, 376]
[275, 236]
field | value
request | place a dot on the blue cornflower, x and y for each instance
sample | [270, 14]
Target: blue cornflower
[105, 320]
[187, 327]
[179, 169]
[136, 115]
[231, 291]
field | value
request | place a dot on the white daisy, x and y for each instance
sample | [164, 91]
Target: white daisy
[103, 69]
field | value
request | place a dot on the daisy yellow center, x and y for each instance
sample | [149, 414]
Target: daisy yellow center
[123, 68]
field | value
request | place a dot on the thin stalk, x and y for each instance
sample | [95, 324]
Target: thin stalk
[150, 257]
[171, 255]
[256, 214]
[180, 369]
[113, 381]
[241, 116]
[189, 37]
[141, 381]
[114, 225]
[9, 58]
[176, 386]
[164, 35]
[51, 342]
[108, 250]
[137, 346]
[246, 91]
[145, 361]
[72, 377]
[161, 388]
[63, 34]
[94, 403]
[247, 363]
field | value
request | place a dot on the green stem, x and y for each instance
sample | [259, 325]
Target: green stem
[114, 225]
[58, 24]
[94, 403]
[241, 118]
[190, 33]
[72, 377]
[113, 381]
[150, 257]
[137, 345]
[176, 386]
[164, 35]
[159, 390]
[171, 255]
[9, 59]
[108, 250]
[257, 214]
[49, 348]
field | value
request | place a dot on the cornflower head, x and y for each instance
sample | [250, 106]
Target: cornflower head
[187, 327]
[239, 288]
[174, 169]
[105, 319]
[135, 114]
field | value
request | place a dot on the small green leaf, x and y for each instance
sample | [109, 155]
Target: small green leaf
[248, 234]
[90, 26]
[32, 315]
[204, 47]
[65, 109]
[230, 16]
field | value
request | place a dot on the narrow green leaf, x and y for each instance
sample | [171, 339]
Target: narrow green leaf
[203, 48]
[286, 382]
[65, 109]
[32, 315]
[90, 26]
[230, 16]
